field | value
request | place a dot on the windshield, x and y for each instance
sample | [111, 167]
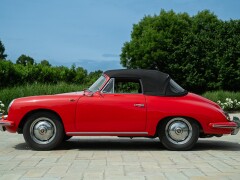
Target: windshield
[98, 84]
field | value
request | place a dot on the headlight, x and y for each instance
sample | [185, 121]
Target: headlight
[10, 105]
[227, 116]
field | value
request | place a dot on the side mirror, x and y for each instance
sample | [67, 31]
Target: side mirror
[87, 93]
[98, 93]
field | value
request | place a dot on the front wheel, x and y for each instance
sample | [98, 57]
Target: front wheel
[179, 133]
[43, 131]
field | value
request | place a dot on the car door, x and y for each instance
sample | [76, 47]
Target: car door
[112, 111]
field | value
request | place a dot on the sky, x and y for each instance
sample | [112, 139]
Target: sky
[87, 33]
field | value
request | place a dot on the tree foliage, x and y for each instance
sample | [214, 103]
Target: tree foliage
[200, 52]
[27, 71]
[25, 60]
[45, 63]
[18, 74]
[2, 50]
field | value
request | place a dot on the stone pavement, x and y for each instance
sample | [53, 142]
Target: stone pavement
[119, 158]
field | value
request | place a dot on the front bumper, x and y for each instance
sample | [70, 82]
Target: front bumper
[5, 123]
[233, 125]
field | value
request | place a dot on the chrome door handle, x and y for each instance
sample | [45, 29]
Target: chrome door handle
[139, 105]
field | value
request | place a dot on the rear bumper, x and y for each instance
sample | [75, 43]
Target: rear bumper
[5, 123]
[233, 125]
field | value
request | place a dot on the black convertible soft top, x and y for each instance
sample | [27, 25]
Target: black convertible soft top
[154, 82]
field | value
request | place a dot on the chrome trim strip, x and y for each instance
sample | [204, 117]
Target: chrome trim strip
[223, 126]
[5, 123]
[95, 133]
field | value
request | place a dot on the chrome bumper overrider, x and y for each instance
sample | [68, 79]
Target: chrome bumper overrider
[234, 125]
[237, 121]
[5, 123]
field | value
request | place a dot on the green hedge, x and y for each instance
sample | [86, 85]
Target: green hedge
[17, 74]
[229, 101]
[10, 93]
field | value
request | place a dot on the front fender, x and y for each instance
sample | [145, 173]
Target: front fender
[63, 105]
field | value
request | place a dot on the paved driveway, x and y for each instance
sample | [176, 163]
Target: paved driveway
[114, 158]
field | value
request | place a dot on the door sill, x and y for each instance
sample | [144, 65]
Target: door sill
[106, 133]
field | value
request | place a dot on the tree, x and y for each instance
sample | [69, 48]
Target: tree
[200, 52]
[45, 63]
[2, 50]
[154, 39]
[25, 60]
[81, 75]
[156, 43]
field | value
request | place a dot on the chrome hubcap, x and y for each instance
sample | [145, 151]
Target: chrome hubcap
[43, 130]
[178, 131]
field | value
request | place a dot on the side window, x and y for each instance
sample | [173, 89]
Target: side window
[127, 86]
[118, 85]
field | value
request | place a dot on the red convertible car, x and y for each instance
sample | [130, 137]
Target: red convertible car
[124, 103]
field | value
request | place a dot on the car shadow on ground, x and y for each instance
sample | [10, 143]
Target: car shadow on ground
[126, 144]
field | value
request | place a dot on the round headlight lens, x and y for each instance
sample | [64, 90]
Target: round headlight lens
[227, 116]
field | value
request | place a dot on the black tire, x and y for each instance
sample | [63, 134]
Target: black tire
[66, 137]
[43, 131]
[178, 133]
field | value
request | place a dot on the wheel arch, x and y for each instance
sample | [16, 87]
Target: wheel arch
[30, 113]
[161, 121]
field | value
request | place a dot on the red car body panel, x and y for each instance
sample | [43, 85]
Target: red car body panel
[117, 113]
[64, 105]
[83, 113]
[111, 112]
[191, 105]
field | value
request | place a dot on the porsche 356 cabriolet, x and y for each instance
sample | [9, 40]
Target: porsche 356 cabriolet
[124, 103]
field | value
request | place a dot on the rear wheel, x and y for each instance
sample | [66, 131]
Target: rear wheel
[179, 133]
[43, 131]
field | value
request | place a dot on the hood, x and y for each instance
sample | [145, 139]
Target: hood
[74, 95]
